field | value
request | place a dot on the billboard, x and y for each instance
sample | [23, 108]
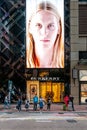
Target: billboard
[44, 33]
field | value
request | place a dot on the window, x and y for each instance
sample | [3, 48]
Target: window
[83, 75]
[83, 55]
[83, 19]
[82, 0]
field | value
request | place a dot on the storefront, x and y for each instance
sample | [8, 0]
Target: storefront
[54, 89]
[83, 86]
[79, 86]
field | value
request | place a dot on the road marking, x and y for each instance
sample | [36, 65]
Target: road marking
[43, 120]
[2, 115]
[41, 117]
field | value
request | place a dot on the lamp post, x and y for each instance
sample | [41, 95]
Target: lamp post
[10, 90]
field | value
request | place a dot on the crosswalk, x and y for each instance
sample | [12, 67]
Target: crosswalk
[41, 117]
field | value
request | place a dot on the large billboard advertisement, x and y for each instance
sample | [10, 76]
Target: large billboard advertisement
[44, 33]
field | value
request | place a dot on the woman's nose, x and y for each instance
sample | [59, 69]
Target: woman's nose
[44, 31]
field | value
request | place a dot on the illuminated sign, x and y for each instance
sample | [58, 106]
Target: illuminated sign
[45, 78]
[44, 33]
[82, 75]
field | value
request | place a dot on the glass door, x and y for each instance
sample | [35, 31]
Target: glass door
[83, 92]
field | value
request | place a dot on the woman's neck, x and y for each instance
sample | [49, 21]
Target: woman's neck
[45, 59]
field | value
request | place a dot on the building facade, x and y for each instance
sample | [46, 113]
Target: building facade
[78, 41]
[71, 80]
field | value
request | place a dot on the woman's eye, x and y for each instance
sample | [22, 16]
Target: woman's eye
[51, 26]
[38, 25]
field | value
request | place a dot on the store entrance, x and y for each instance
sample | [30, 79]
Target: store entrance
[55, 90]
[83, 92]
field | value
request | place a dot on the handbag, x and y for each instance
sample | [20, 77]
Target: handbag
[26, 105]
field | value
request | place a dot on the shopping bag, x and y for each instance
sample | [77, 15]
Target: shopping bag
[64, 107]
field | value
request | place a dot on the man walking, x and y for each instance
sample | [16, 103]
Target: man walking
[71, 98]
[35, 101]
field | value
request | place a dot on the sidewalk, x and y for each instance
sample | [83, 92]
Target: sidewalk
[54, 108]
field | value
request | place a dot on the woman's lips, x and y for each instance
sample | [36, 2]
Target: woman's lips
[45, 40]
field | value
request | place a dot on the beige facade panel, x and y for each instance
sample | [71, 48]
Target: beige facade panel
[73, 64]
[75, 93]
[73, 5]
[74, 13]
[74, 56]
[74, 29]
[78, 47]
[74, 21]
[82, 40]
[74, 39]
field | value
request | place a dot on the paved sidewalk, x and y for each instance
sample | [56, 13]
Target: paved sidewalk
[54, 108]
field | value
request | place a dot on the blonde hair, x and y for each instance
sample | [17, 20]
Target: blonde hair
[58, 55]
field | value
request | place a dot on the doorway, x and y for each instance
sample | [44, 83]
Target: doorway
[83, 92]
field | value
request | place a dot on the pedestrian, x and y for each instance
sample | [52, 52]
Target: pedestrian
[19, 103]
[35, 101]
[71, 98]
[48, 103]
[66, 102]
[41, 103]
[6, 102]
[27, 104]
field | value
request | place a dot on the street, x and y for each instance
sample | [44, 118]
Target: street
[43, 120]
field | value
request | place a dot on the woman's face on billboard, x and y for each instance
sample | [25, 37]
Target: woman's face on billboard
[44, 28]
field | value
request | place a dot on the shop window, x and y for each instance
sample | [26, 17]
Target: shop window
[83, 93]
